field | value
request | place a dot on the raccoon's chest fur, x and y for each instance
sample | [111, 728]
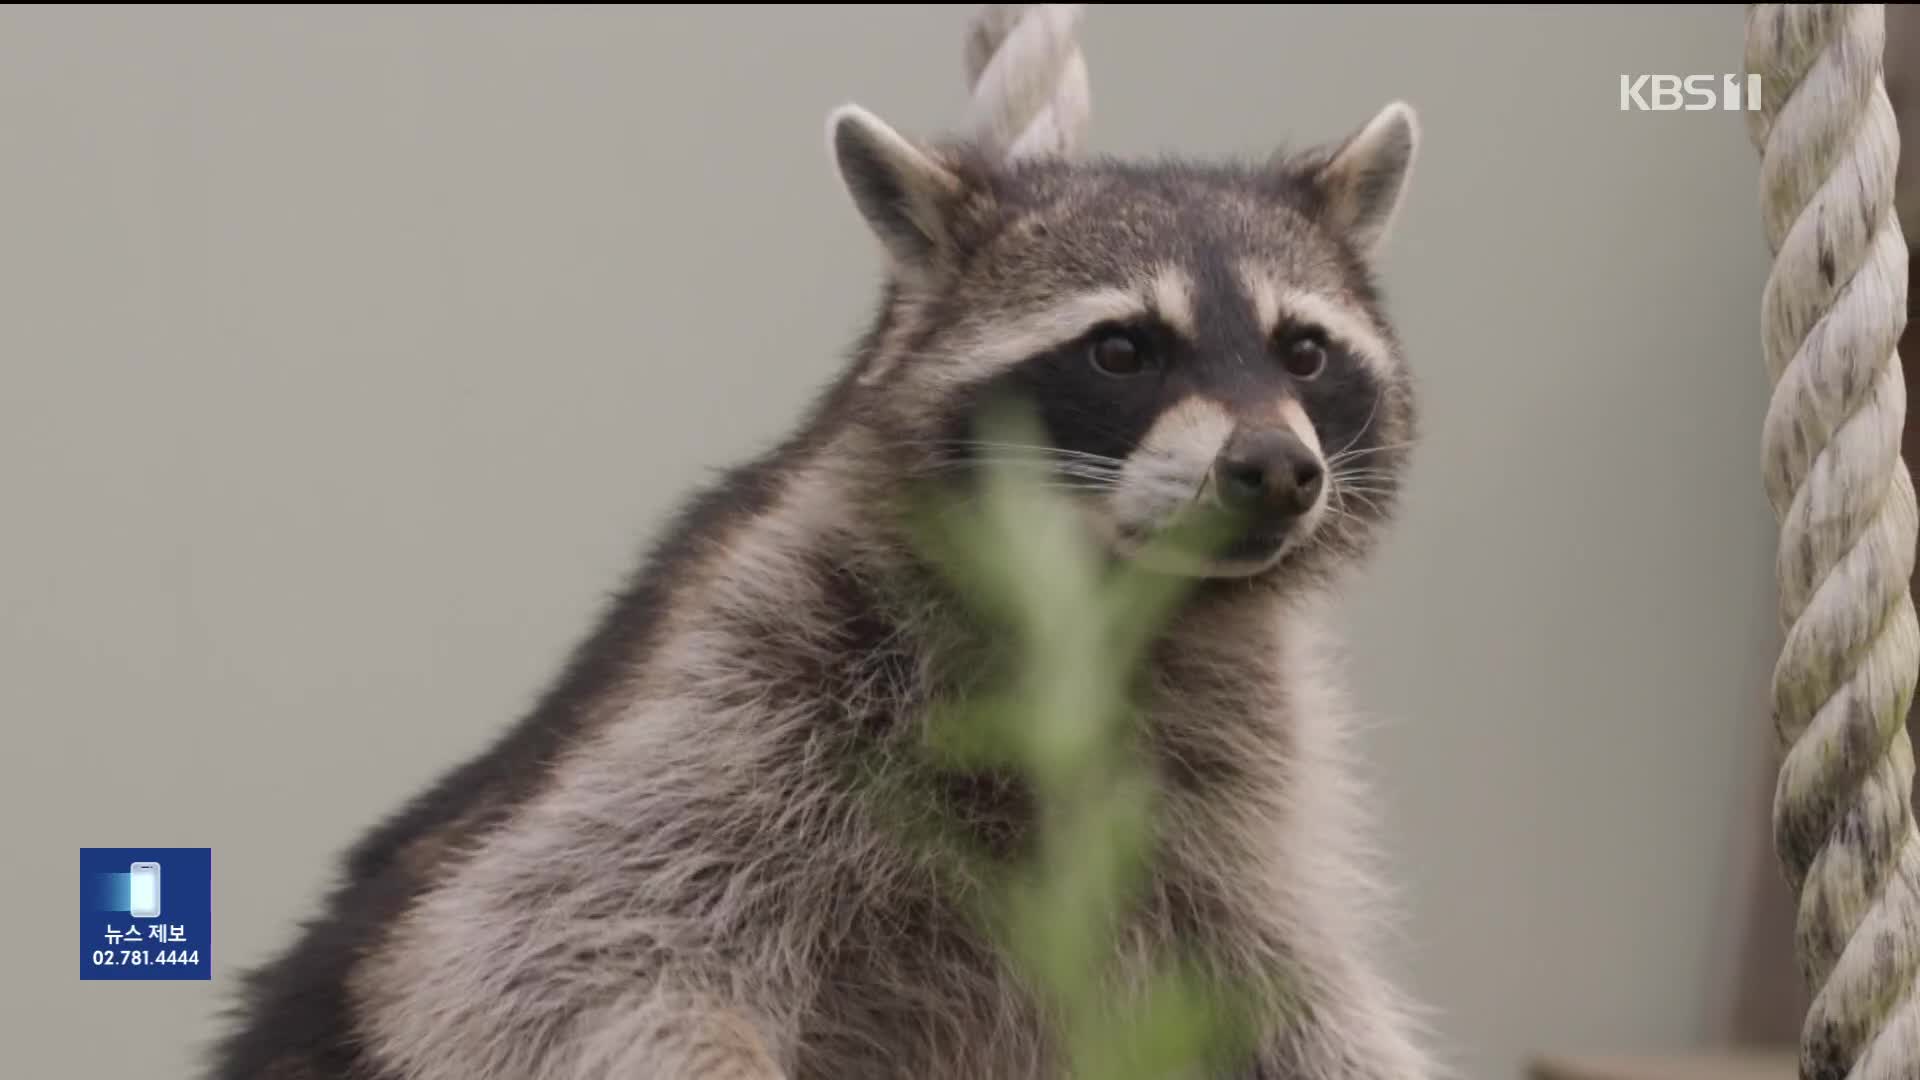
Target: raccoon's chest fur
[714, 811]
[911, 987]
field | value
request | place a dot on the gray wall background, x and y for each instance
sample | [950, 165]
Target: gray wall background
[348, 357]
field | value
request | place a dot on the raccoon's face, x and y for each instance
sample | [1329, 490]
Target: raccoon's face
[1197, 341]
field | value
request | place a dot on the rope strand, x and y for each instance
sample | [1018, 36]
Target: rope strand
[1832, 312]
[1028, 80]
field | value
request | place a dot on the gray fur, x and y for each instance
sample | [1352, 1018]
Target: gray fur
[693, 885]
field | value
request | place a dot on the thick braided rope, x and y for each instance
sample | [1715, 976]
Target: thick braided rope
[1028, 80]
[1833, 310]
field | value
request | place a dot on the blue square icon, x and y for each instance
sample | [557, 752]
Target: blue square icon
[146, 913]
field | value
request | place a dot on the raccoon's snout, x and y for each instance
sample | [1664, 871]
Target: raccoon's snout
[1269, 474]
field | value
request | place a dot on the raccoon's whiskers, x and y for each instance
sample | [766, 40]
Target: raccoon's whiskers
[1023, 449]
[1383, 482]
[1364, 425]
[1365, 487]
[1350, 454]
[999, 461]
[1027, 465]
[1337, 501]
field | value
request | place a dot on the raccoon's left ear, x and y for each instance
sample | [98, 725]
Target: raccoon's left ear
[905, 195]
[1364, 179]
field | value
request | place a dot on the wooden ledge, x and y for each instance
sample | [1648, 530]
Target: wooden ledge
[1718, 1065]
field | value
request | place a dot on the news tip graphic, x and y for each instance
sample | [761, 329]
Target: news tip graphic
[146, 914]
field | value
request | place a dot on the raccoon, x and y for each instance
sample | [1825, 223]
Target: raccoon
[665, 869]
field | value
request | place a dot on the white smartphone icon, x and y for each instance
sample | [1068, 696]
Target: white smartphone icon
[144, 890]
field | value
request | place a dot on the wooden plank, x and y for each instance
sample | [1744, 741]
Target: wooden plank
[1729, 1065]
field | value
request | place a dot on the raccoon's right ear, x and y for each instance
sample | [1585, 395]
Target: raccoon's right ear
[905, 195]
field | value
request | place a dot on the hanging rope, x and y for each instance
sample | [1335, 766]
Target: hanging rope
[1028, 80]
[1833, 310]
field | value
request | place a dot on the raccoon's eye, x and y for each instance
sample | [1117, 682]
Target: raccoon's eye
[1304, 355]
[1116, 353]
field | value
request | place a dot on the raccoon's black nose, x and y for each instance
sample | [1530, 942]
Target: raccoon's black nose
[1268, 472]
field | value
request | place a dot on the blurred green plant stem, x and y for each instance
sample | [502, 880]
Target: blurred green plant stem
[1080, 626]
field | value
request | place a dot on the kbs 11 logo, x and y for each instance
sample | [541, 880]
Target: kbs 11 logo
[1690, 93]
